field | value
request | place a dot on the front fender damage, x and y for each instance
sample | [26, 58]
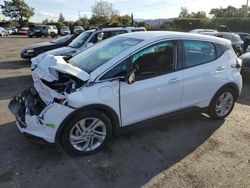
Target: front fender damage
[40, 109]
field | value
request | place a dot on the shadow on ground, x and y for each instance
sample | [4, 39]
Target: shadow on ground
[14, 64]
[13, 86]
[131, 160]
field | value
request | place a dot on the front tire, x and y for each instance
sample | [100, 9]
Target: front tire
[86, 133]
[222, 103]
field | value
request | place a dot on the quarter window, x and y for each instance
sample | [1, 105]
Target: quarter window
[155, 60]
[104, 35]
[198, 52]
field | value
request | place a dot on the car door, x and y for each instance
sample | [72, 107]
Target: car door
[158, 86]
[204, 73]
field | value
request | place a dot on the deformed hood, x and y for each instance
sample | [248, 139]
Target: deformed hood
[47, 67]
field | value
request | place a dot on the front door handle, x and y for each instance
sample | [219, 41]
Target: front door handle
[220, 68]
[173, 80]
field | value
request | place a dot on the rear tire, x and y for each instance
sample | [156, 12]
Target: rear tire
[222, 104]
[86, 133]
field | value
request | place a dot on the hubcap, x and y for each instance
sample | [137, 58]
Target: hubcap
[87, 134]
[224, 104]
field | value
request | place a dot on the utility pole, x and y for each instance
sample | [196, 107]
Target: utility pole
[132, 19]
[79, 14]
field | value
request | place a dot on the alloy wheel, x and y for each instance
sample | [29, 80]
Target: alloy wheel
[224, 104]
[88, 134]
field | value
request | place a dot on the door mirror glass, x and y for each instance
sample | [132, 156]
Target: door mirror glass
[131, 77]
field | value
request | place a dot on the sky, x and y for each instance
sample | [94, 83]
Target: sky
[142, 9]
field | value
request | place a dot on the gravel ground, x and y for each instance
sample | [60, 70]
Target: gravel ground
[187, 151]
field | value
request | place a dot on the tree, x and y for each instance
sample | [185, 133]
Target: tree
[230, 11]
[104, 9]
[199, 14]
[184, 13]
[17, 10]
[61, 18]
[46, 21]
[84, 21]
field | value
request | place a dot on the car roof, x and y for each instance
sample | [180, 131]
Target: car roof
[115, 28]
[154, 35]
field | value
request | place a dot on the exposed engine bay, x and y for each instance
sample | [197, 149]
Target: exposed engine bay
[54, 78]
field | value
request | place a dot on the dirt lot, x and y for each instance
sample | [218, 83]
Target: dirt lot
[188, 151]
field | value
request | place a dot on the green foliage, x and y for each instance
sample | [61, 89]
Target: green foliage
[187, 24]
[230, 11]
[61, 18]
[185, 14]
[17, 10]
[103, 9]
[237, 24]
[46, 21]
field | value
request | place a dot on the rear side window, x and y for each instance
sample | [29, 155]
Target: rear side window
[105, 35]
[198, 52]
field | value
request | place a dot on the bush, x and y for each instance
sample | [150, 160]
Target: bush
[187, 24]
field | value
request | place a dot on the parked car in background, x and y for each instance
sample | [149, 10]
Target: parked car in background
[49, 30]
[245, 64]
[35, 31]
[78, 29]
[8, 30]
[64, 31]
[237, 43]
[197, 31]
[24, 31]
[243, 35]
[36, 49]
[3, 32]
[123, 81]
[14, 31]
[90, 37]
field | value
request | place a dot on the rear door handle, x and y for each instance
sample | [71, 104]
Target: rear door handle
[173, 80]
[220, 68]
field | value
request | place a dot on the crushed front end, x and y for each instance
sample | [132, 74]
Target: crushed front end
[40, 109]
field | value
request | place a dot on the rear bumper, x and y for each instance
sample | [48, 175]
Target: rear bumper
[34, 117]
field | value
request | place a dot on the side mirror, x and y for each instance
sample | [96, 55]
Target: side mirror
[130, 78]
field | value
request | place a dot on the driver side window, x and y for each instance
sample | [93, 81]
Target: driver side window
[155, 60]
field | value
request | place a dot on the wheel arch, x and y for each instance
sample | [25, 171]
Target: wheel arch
[108, 111]
[230, 85]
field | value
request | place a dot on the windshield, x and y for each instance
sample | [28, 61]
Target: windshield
[80, 40]
[62, 39]
[94, 57]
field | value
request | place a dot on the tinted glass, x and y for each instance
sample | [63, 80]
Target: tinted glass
[104, 35]
[94, 57]
[80, 40]
[119, 70]
[62, 40]
[155, 60]
[198, 52]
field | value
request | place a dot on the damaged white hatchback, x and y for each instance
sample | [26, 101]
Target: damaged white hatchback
[127, 79]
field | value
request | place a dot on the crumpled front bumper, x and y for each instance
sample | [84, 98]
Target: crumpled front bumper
[36, 118]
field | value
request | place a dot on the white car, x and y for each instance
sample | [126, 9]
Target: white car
[198, 31]
[125, 80]
[50, 30]
[78, 30]
[89, 38]
[3, 32]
